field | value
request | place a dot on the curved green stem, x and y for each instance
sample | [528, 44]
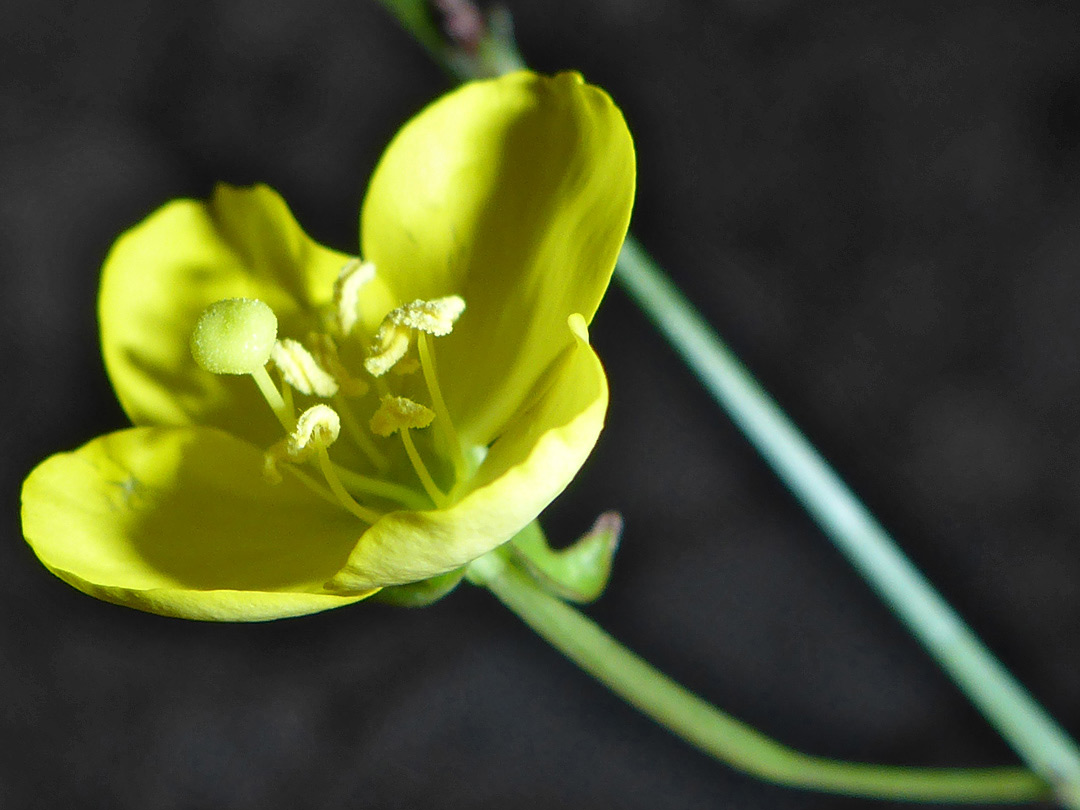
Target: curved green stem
[720, 735]
[1022, 722]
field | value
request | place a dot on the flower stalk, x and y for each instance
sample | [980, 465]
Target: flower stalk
[993, 690]
[718, 734]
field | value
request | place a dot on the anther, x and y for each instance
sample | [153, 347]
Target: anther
[318, 427]
[353, 276]
[234, 336]
[400, 415]
[391, 344]
[301, 371]
[395, 413]
[435, 317]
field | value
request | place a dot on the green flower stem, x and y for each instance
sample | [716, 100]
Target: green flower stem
[1031, 732]
[1025, 725]
[720, 735]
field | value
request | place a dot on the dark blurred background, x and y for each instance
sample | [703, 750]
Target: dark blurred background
[876, 203]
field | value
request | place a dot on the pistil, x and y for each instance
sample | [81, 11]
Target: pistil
[238, 336]
[282, 410]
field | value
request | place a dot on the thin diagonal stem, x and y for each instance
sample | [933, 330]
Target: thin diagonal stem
[1022, 722]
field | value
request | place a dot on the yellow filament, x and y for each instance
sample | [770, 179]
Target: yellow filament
[364, 513]
[358, 435]
[442, 415]
[426, 480]
[282, 411]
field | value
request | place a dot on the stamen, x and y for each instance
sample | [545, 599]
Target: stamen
[364, 513]
[353, 276]
[432, 489]
[273, 464]
[397, 413]
[435, 317]
[431, 377]
[300, 369]
[400, 414]
[317, 428]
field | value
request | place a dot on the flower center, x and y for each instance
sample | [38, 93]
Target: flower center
[331, 373]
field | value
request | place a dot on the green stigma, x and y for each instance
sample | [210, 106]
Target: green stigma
[234, 336]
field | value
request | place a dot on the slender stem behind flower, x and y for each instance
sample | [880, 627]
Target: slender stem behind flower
[1005, 703]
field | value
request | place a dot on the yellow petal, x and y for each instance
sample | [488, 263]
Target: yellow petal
[515, 194]
[180, 521]
[161, 274]
[543, 448]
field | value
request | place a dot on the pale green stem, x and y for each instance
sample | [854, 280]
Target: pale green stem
[720, 735]
[1031, 732]
[1022, 722]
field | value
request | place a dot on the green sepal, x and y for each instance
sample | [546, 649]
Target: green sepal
[422, 593]
[578, 573]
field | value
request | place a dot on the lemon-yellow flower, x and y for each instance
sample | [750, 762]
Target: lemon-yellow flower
[423, 403]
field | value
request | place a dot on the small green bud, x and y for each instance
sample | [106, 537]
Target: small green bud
[234, 336]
